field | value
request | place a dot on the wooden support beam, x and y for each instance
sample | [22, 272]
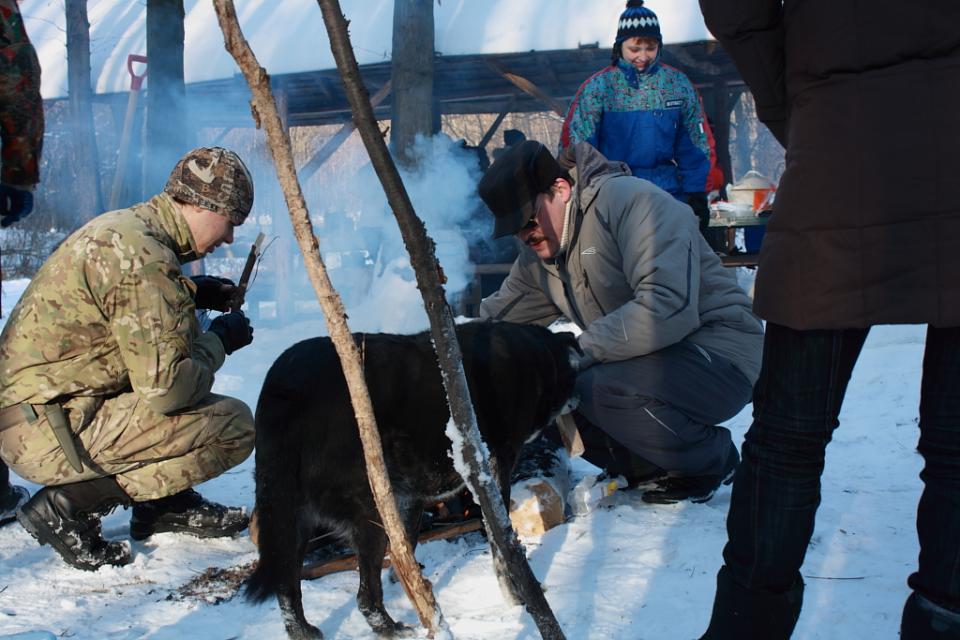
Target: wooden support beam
[722, 108]
[349, 562]
[548, 72]
[323, 154]
[532, 89]
[496, 124]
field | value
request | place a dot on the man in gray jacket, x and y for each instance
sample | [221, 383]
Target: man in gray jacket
[670, 345]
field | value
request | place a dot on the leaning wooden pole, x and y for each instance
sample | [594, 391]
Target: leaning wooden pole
[472, 460]
[418, 589]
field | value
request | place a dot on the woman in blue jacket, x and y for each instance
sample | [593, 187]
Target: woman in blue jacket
[644, 113]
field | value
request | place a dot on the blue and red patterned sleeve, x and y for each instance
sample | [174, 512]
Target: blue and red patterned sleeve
[582, 123]
[691, 149]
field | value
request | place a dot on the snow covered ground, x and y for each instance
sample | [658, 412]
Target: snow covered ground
[625, 572]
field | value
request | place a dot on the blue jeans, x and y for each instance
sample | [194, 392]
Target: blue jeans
[777, 488]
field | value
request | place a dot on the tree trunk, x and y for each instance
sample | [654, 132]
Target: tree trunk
[86, 161]
[471, 456]
[264, 105]
[412, 73]
[168, 136]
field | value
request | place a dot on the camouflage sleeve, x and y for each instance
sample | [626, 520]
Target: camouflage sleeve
[21, 115]
[170, 364]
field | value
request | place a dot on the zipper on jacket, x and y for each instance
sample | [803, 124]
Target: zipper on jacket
[586, 283]
[563, 274]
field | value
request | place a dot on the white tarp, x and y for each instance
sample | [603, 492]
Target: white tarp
[289, 35]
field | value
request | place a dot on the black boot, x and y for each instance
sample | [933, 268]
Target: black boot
[67, 517]
[748, 614]
[925, 620]
[186, 512]
[694, 488]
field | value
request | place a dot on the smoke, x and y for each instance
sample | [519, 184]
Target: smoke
[360, 240]
[381, 293]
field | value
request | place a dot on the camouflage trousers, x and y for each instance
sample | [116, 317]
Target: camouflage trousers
[152, 455]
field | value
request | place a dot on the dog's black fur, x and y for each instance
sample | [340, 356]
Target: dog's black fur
[310, 469]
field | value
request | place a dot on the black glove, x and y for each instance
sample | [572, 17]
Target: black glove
[15, 204]
[214, 292]
[698, 202]
[233, 329]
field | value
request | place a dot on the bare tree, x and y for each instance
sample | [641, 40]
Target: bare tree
[167, 133]
[88, 196]
[516, 578]
[412, 70]
[278, 139]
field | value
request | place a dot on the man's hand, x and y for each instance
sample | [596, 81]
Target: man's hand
[698, 202]
[15, 204]
[233, 329]
[214, 292]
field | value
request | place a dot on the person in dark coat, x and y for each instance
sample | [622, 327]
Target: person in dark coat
[21, 132]
[863, 96]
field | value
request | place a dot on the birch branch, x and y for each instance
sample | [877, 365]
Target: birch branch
[516, 577]
[265, 111]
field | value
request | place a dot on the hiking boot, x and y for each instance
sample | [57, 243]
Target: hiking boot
[635, 479]
[11, 500]
[67, 517]
[186, 512]
[696, 489]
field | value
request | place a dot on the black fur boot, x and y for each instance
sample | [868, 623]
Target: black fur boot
[186, 512]
[747, 614]
[67, 517]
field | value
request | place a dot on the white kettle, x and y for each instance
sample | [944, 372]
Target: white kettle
[754, 190]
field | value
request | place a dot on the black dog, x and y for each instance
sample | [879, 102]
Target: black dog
[310, 470]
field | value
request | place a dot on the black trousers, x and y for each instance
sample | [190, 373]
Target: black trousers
[776, 493]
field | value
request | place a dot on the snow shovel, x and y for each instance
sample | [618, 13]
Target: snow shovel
[136, 81]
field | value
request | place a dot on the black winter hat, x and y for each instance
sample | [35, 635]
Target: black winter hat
[637, 22]
[511, 185]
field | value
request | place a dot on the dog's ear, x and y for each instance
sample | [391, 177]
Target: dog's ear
[570, 340]
[572, 348]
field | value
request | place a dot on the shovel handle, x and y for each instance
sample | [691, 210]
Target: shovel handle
[136, 81]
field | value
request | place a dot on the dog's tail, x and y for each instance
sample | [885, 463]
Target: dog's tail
[280, 538]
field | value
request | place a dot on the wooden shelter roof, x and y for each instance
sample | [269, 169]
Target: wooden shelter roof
[490, 83]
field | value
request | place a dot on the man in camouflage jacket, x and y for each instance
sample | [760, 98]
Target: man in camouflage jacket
[21, 131]
[105, 374]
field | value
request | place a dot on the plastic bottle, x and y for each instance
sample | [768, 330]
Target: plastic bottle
[588, 492]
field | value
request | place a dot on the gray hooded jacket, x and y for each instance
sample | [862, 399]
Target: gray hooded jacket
[636, 275]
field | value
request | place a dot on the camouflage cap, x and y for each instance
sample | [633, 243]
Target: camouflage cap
[215, 179]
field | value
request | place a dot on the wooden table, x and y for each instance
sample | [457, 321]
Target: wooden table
[733, 257]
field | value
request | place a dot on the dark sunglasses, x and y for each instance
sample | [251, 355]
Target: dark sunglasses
[532, 222]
